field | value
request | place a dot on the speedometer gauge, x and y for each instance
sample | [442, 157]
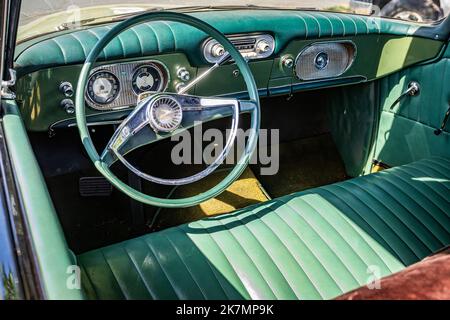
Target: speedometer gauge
[103, 87]
[147, 78]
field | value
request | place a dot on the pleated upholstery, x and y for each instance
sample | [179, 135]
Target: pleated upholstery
[316, 244]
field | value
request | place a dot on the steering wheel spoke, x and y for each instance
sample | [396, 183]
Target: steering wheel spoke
[153, 120]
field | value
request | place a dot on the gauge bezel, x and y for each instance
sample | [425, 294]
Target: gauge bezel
[124, 72]
[98, 104]
[163, 83]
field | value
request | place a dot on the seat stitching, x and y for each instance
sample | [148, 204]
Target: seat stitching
[380, 217]
[393, 213]
[162, 269]
[430, 200]
[114, 275]
[433, 189]
[439, 173]
[90, 280]
[424, 184]
[413, 215]
[138, 271]
[289, 251]
[437, 163]
[320, 236]
[376, 185]
[259, 271]
[438, 189]
[322, 295]
[423, 170]
[347, 220]
[298, 214]
[321, 215]
[185, 265]
[423, 165]
[269, 255]
[224, 255]
[426, 170]
[346, 190]
[210, 267]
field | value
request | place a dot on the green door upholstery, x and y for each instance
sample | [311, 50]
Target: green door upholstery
[406, 132]
[316, 244]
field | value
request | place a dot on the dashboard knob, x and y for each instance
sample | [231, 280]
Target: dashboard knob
[287, 62]
[217, 50]
[179, 86]
[66, 89]
[183, 74]
[262, 46]
[68, 106]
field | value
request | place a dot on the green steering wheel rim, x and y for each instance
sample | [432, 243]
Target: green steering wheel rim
[87, 141]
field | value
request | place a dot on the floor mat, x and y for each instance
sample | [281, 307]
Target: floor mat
[304, 164]
[245, 191]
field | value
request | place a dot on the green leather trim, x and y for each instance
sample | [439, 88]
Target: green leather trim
[406, 131]
[165, 37]
[353, 114]
[255, 112]
[316, 244]
[47, 238]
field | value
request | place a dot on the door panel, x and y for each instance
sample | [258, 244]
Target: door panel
[406, 132]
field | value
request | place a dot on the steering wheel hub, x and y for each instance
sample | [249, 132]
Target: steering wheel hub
[165, 114]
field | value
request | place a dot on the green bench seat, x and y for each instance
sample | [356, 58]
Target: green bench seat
[316, 244]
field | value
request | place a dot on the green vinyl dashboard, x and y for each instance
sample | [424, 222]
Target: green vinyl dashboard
[288, 51]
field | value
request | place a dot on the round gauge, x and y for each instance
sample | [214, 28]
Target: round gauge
[103, 87]
[147, 78]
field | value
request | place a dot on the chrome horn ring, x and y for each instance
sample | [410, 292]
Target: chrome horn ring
[153, 125]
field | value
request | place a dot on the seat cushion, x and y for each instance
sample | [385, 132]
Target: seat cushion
[316, 244]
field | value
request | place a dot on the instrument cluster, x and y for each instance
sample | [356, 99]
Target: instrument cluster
[118, 85]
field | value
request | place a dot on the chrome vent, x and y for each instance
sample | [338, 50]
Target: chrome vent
[255, 46]
[324, 60]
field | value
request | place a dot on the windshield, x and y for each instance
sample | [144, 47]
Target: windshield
[43, 16]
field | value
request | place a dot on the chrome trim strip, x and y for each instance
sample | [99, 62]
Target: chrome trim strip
[200, 175]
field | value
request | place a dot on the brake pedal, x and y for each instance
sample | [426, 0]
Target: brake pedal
[94, 187]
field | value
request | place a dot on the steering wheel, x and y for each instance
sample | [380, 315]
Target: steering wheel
[162, 115]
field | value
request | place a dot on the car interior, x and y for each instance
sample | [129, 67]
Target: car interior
[359, 105]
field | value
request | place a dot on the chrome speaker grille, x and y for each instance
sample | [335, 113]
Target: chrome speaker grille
[324, 60]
